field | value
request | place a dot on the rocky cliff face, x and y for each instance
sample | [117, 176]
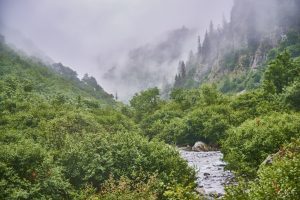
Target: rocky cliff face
[255, 27]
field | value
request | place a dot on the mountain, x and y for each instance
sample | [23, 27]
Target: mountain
[234, 55]
[149, 65]
[48, 79]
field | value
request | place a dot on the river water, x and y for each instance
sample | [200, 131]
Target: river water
[209, 166]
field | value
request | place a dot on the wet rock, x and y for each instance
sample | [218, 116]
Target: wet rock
[268, 160]
[215, 194]
[206, 174]
[200, 146]
[200, 191]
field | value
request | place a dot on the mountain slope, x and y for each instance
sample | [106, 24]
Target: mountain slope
[61, 139]
[48, 80]
[234, 56]
[149, 65]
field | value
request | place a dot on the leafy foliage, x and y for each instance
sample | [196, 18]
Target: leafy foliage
[251, 142]
[61, 138]
[146, 102]
[65, 138]
[281, 72]
[278, 180]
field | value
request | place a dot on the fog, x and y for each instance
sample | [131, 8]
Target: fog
[127, 45]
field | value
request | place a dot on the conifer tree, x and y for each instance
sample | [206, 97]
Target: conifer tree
[199, 46]
[182, 69]
[206, 46]
[211, 28]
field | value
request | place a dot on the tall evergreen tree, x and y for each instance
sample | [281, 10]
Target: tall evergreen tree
[199, 46]
[182, 69]
[206, 47]
[211, 28]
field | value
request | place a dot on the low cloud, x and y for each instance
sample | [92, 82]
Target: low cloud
[95, 36]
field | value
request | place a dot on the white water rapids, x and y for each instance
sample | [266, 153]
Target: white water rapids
[209, 166]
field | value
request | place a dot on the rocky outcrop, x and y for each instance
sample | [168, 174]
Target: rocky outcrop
[268, 160]
[200, 146]
[255, 28]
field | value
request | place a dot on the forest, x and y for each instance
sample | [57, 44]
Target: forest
[64, 137]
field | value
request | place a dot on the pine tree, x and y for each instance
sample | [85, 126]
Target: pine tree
[211, 28]
[206, 47]
[199, 46]
[181, 76]
[192, 59]
[182, 69]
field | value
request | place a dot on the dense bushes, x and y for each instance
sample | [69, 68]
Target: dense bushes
[28, 171]
[251, 142]
[58, 141]
[191, 115]
[291, 95]
[249, 126]
[281, 72]
[129, 155]
[276, 180]
[31, 171]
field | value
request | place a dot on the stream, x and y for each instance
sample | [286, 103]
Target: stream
[210, 173]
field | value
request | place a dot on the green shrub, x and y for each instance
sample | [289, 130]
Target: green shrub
[278, 180]
[249, 144]
[291, 95]
[129, 155]
[27, 171]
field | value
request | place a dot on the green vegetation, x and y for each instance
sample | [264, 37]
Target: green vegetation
[250, 143]
[65, 138]
[278, 180]
[62, 138]
[248, 127]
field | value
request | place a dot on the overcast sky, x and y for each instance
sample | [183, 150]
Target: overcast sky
[88, 35]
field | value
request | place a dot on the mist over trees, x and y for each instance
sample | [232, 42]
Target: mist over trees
[237, 91]
[242, 44]
[150, 65]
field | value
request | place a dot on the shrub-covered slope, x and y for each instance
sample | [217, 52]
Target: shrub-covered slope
[61, 138]
[48, 80]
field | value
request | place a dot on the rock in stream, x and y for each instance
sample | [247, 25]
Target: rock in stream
[211, 176]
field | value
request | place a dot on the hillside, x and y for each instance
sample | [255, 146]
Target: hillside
[62, 137]
[48, 80]
[234, 55]
[65, 138]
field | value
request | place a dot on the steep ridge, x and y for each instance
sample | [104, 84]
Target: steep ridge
[239, 49]
[49, 79]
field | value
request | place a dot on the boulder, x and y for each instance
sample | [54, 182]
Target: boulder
[200, 146]
[200, 191]
[206, 174]
[268, 160]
